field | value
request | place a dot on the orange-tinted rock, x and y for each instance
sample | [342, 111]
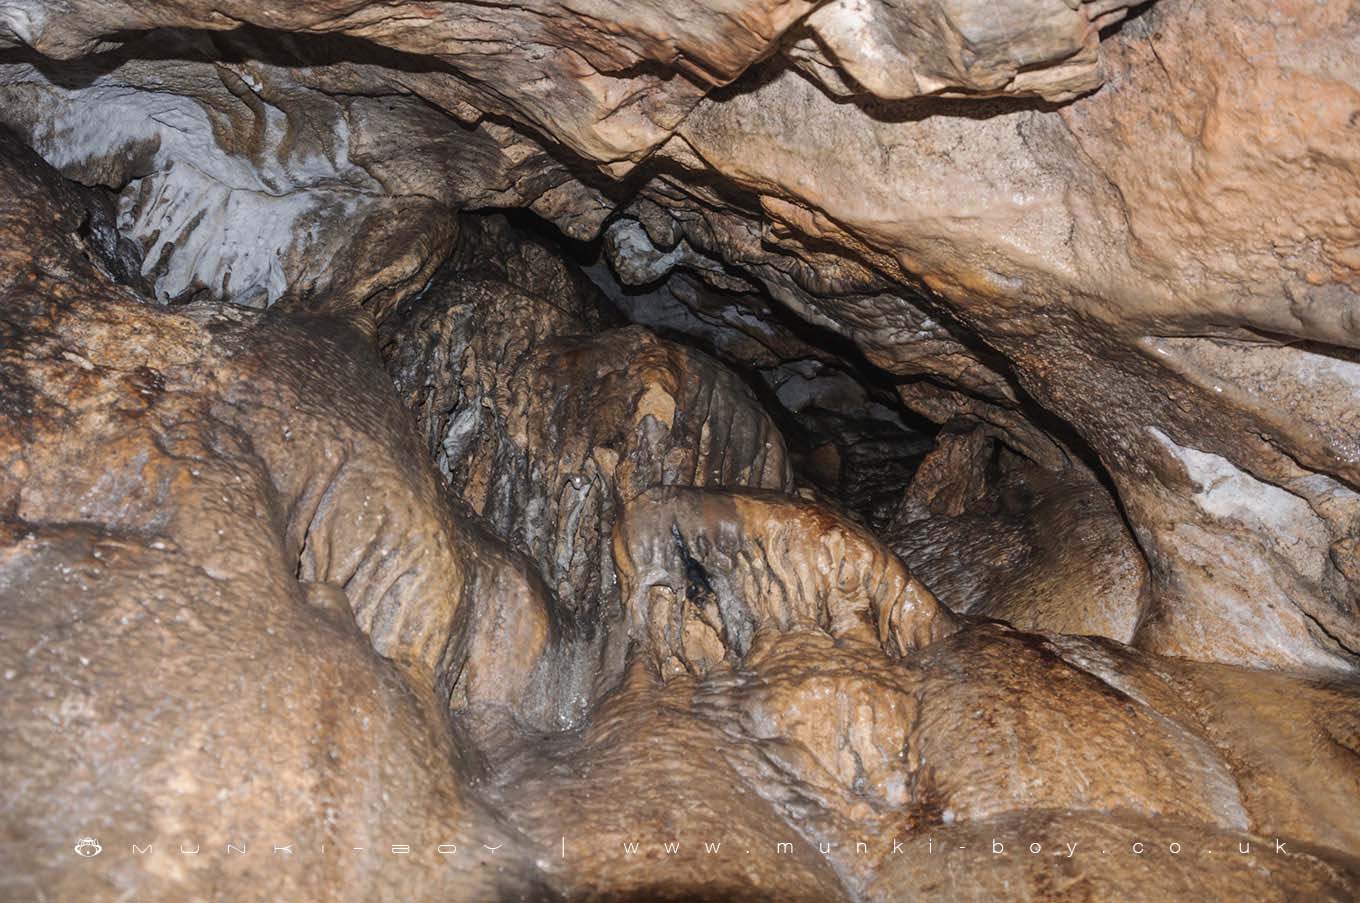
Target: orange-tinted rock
[578, 602]
[994, 535]
[703, 573]
[546, 432]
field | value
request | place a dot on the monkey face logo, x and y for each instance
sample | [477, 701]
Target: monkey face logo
[88, 847]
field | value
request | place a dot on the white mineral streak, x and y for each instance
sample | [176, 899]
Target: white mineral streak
[204, 217]
[1283, 521]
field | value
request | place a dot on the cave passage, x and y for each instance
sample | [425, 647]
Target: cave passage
[829, 450]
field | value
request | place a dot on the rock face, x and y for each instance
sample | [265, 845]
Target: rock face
[1039, 48]
[180, 597]
[832, 449]
[978, 525]
[704, 574]
[1097, 249]
[547, 440]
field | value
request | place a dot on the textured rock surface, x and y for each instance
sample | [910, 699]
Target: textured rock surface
[180, 653]
[821, 744]
[592, 596]
[995, 535]
[1043, 48]
[704, 573]
[242, 181]
[1118, 316]
[1146, 870]
[546, 432]
[612, 83]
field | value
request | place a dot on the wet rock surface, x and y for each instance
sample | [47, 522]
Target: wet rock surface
[800, 451]
[180, 636]
[978, 525]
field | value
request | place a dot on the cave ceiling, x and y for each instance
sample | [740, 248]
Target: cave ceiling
[763, 420]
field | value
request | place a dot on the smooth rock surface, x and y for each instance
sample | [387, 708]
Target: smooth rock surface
[1015, 502]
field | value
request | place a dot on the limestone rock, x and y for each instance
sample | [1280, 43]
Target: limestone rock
[994, 535]
[181, 664]
[546, 432]
[1118, 281]
[703, 573]
[1045, 48]
[569, 587]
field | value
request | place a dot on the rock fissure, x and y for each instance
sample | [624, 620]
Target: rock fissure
[692, 451]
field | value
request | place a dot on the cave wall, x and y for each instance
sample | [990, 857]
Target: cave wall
[484, 421]
[1121, 246]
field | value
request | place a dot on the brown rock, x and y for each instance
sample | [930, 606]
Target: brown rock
[170, 676]
[546, 434]
[995, 535]
[579, 606]
[1114, 319]
[702, 573]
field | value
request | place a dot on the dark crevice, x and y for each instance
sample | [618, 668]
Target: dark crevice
[877, 455]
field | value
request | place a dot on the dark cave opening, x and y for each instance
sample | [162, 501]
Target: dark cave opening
[851, 440]
[850, 437]
[745, 451]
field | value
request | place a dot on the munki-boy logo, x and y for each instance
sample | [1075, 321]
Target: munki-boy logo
[88, 847]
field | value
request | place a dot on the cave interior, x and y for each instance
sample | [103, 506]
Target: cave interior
[685, 450]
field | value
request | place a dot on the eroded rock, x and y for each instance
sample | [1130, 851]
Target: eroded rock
[170, 676]
[702, 573]
[1113, 260]
[546, 432]
[995, 535]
